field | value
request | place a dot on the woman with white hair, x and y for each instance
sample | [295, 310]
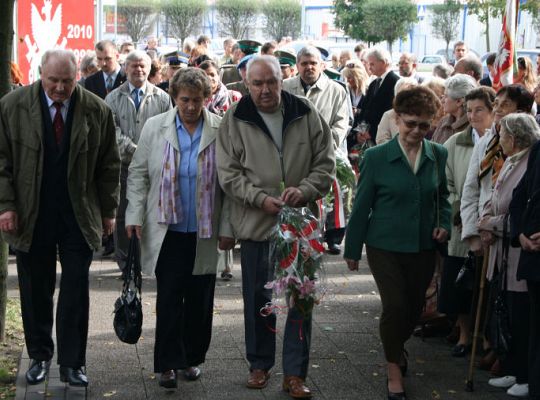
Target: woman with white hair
[388, 127]
[455, 120]
[518, 132]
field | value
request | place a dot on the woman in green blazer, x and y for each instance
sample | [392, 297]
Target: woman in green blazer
[401, 211]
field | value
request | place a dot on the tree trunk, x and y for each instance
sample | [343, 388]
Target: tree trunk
[6, 42]
[487, 33]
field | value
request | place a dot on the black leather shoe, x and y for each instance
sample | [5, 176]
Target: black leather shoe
[192, 373]
[334, 249]
[168, 379]
[74, 376]
[37, 372]
[395, 396]
[461, 350]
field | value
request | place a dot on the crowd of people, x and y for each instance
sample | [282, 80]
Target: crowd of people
[194, 153]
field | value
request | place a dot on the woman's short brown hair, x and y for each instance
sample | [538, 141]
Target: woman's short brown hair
[484, 93]
[190, 78]
[417, 100]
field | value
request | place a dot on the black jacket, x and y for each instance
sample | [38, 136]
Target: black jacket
[525, 215]
[96, 84]
[374, 105]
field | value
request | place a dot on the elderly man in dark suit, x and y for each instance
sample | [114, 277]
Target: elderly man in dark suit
[59, 187]
[380, 93]
[111, 75]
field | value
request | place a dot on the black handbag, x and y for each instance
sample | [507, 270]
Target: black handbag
[128, 315]
[502, 336]
[466, 275]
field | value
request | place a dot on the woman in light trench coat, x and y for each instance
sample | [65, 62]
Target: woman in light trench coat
[518, 132]
[175, 207]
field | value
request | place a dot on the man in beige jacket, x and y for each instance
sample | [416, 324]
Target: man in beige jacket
[332, 101]
[132, 103]
[268, 140]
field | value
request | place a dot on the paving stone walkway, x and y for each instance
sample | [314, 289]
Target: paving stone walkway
[346, 358]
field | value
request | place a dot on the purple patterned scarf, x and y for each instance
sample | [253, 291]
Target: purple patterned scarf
[170, 206]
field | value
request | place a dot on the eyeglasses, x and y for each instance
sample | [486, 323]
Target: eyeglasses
[423, 126]
[521, 62]
[352, 65]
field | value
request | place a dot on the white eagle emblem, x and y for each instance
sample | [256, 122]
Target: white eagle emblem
[46, 34]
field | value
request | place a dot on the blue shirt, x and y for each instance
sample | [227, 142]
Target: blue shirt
[187, 176]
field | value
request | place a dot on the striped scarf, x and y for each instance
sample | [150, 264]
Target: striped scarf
[493, 160]
[170, 204]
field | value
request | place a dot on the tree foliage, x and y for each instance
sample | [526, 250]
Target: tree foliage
[283, 18]
[388, 19]
[236, 16]
[184, 17]
[484, 10]
[349, 16]
[533, 7]
[445, 20]
[139, 17]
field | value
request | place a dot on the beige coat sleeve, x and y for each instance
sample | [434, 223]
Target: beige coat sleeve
[138, 181]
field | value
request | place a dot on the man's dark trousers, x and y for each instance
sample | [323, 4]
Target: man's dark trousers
[260, 331]
[37, 279]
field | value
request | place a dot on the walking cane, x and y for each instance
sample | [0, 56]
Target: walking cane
[469, 383]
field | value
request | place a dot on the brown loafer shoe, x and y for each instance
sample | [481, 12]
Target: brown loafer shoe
[294, 385]
[258, 379]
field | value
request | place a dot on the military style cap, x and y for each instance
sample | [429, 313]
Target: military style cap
[177, 58]
[286, 57]
[324, 52]
[243, 62]
[249, 46]
[332, 74]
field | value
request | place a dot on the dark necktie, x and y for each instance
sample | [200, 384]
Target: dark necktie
[136, 98]
[58, 123]
[377, 85]
[109, 83]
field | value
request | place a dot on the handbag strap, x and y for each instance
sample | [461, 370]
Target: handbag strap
[132, 271]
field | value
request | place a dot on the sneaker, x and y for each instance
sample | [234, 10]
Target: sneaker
[519, 390]
[504, 382]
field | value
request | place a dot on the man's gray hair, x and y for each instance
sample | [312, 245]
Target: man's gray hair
[89, 61]
[523, 128]
[308, 51]
[459, 85]
[138, 55]
[380, 55]
[473, 64]
[442, 71]
[60, 54]
[271, 61]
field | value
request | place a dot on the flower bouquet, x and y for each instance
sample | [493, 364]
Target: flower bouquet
[296, 255]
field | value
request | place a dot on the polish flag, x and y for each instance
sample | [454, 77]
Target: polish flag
[505, 63]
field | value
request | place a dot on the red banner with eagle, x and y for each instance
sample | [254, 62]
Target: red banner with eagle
[505, 63]
[48, 24]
